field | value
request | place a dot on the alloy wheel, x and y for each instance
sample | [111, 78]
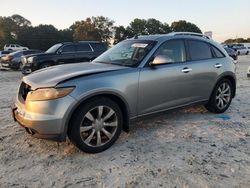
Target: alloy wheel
[98, 126]
[223, 95]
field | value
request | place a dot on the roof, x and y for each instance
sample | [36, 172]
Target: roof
[173, 34]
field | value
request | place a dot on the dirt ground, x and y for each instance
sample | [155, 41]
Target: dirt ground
[189, 147]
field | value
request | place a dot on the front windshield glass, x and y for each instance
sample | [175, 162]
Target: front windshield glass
[54, 48]
[126, 53]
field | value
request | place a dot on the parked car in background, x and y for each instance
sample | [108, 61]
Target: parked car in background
[14, 47]
[246, 44]
[241, 50]
[3, 53]
[63, 53]
[93, 102]
[231, 52]
[13, 60]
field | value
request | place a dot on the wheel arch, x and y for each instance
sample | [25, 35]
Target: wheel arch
[113, 96]
[231, 77]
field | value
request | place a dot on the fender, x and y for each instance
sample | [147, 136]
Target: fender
[223, 75]
[92, 94]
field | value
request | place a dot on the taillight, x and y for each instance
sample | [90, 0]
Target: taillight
[9, 58]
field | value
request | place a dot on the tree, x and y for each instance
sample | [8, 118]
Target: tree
[154, 26]
[240, 40]
[20, 21]
[138, 27]
[8, 30]
[96, 28]
[237, 40]
[104, 27]
[121, 33]
[183, 26]
[229, 41]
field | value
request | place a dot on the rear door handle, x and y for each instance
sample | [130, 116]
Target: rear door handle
[218, 65]
[186, 70]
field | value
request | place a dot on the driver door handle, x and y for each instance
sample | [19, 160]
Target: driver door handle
[218, 65]
[186, 70]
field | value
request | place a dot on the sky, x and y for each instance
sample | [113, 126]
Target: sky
[225, 18]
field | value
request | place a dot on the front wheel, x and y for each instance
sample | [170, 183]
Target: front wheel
[96, 125]
[221, 97]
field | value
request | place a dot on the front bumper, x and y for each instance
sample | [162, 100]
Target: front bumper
[43, 119]
[5, 65]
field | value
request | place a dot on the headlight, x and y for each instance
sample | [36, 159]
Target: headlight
[48, 93]
[31, 59]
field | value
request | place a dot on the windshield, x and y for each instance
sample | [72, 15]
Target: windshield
[17, 53]
[54, 48]
[126, 53]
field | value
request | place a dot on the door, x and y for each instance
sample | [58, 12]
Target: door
[67, 54]
[167, 85]
[84, 52]
[207, 64]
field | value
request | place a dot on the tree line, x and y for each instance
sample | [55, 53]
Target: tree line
[237, 40]
[19, 30]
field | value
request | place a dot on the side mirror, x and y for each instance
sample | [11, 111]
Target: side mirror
[59, 51]
[161, 59]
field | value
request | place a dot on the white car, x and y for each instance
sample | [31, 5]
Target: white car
[14, 47]
[242, 50]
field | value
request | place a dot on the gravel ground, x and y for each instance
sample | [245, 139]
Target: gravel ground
[189, 147]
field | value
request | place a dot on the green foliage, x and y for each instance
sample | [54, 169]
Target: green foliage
[151, 26]
[17, 29]
[96, 28]
[183, 26]
[237, 40]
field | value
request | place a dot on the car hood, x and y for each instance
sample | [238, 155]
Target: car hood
[42, 54]
[51, 76]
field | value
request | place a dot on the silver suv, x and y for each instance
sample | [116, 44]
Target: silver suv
[93, 102]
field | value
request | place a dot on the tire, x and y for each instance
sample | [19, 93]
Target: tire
[247, 53]
[214, 104]
[26, 71]
[91, 118]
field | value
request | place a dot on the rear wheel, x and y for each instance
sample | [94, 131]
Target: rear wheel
[221, 97]
[96, 125]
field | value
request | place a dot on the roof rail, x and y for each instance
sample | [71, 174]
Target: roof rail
[189, 33]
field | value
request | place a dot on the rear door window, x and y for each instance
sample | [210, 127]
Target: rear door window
[83, 47]
[199, 50]
[98, 46]
[68, 49]
[217, 53]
